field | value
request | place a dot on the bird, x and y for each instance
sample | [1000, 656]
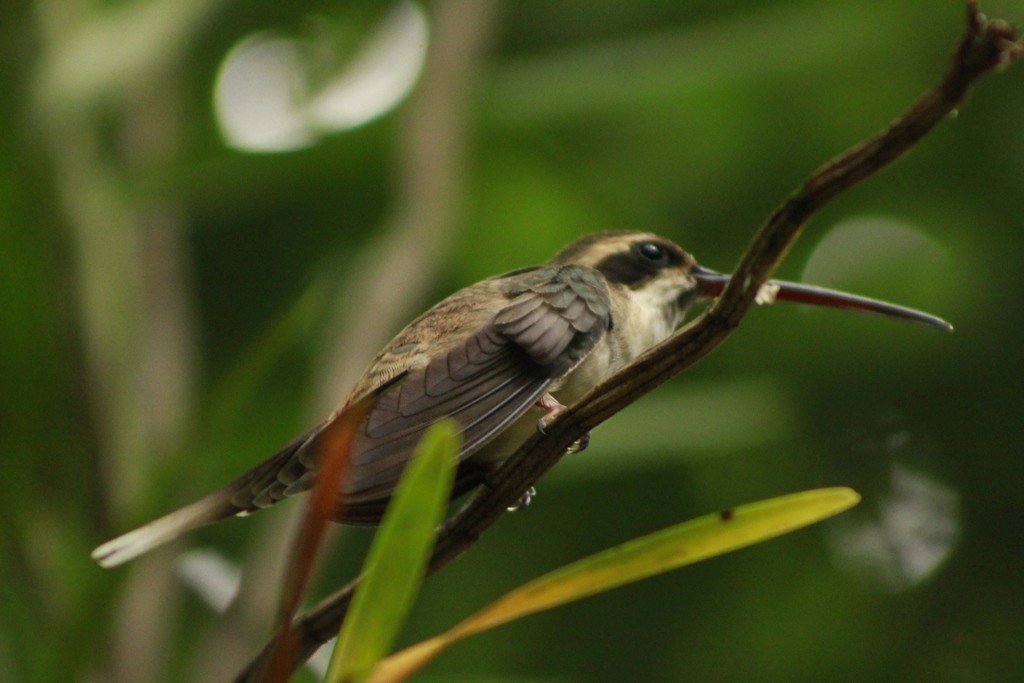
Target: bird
[503, 357]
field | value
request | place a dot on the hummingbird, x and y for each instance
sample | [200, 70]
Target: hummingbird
[503, 357]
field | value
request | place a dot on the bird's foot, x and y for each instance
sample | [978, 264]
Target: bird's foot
[579, 444]
[524, 500]
[554, 409]
[548, 403]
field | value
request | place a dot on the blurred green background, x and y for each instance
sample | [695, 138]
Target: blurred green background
[213, 213]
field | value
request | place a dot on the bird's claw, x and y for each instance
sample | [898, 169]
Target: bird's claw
[579, 444]
[524, 500]
[552, 408]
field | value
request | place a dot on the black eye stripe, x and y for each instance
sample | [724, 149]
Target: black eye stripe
[641, 262]
[626, 268]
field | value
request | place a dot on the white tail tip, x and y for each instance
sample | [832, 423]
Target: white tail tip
[160, 531]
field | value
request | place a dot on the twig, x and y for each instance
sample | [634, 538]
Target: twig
[986, 45]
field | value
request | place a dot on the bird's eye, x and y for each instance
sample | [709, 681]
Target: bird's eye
[653, 252]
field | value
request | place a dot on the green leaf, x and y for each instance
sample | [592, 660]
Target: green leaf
[396, 562]
[659, 552]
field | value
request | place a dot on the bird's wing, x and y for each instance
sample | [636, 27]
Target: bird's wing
[553, 318]
[491, 375]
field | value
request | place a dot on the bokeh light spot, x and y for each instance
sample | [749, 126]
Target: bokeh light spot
[264, 102]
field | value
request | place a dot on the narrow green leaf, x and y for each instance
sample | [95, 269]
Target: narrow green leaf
[670, 548]
[395, 564]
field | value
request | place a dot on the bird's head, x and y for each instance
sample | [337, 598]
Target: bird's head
[654, 272]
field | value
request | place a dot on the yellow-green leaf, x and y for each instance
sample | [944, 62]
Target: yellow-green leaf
[395, 564]
[659, 552]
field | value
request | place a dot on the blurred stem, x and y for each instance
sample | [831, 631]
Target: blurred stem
[107, 284]
[133, 300]
[130, 268]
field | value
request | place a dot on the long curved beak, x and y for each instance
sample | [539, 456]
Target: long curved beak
[711, 284]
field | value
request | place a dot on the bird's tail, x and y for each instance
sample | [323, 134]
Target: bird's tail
[128, 546]
[243, 496]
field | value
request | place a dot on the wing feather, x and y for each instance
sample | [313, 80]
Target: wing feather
[554, 318]
[492, 375]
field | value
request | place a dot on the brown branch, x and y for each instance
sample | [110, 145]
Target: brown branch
[986, 45]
